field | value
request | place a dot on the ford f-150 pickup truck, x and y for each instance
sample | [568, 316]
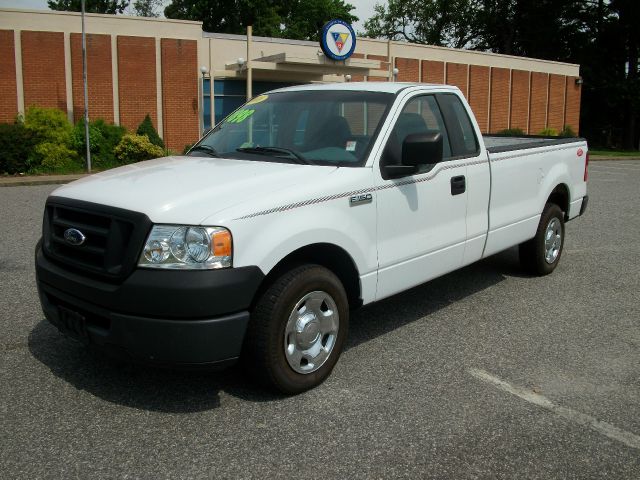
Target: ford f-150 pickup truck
[304, 203]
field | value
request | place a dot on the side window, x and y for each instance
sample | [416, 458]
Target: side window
[420, 115]
[463, 137]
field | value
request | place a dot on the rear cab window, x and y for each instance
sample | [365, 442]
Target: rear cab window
[464, 142]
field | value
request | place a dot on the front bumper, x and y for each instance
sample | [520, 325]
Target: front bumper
[173, 318]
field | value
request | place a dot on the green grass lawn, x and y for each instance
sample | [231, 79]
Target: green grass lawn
[614, 153]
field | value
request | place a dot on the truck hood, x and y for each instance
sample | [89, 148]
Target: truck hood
[187, 190]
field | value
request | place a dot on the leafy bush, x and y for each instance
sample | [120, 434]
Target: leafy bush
[187, 147]
[549, 132]
[136, 148]
[146, 128]
[48, 125]
[103, 139]
[16, 143]
[52, 134]
[567, 131]
[54, 157]
[512, 132]
[78, 140]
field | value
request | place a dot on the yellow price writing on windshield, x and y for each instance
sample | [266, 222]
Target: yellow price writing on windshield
[240, 116]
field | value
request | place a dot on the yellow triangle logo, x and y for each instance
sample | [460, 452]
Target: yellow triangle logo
[343, 37]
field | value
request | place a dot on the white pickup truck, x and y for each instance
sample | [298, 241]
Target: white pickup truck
[302, 204]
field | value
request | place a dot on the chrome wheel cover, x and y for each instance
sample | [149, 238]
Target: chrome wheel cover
[311, 332]
[552, 240]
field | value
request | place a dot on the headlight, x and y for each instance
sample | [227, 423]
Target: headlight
[183, 247]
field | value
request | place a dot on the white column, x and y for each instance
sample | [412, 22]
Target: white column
[211, 79]
[529, 105]
[249, 63]
[114, 79]
[489, 104]
[68, 78]
[17, 50]
[159, 127]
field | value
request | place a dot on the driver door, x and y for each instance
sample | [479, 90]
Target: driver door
[421, 217]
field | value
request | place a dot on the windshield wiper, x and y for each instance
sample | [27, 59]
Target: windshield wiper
[271, 150]
[205, 148]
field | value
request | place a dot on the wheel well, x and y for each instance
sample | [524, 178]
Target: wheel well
[329, 256]
[560, 196]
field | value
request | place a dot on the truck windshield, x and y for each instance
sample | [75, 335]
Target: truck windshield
[325, 127]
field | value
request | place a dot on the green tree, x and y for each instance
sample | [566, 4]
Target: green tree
[600, 35]
[147, 128]
[228, 16]
[433, 22]
[147, 8]
[303, 19]
[628, 14]
[297, 19]
[91, 6]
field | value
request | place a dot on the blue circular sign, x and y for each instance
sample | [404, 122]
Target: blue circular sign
[338, 40]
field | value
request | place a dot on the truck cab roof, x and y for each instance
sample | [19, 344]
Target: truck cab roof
[385, 87]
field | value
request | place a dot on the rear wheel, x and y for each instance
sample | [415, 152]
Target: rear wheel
[297, 330]
[541, 254]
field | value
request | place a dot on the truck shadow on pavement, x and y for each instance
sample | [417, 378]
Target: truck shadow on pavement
[169, 391]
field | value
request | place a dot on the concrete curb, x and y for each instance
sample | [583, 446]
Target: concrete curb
[39, 180]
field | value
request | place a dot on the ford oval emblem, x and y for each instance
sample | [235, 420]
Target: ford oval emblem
[73, 236]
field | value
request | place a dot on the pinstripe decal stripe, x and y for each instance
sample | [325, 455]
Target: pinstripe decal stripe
[526, 154]
[430, 176]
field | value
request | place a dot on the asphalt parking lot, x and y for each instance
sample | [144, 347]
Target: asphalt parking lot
[484, 373]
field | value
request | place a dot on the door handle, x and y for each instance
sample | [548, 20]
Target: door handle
[458, 185]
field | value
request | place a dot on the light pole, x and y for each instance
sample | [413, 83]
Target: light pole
[86, 90]
[204, 70]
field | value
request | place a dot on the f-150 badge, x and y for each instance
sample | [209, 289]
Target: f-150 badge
[360, 199]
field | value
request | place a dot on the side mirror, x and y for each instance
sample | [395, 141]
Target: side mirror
[422, 148]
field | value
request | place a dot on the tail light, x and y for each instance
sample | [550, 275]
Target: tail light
[586, 167]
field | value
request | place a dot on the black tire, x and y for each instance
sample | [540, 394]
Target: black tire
[532, 252]
[264, 354]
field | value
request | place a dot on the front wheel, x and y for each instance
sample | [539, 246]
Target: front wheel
[297, 330]
[541, 254]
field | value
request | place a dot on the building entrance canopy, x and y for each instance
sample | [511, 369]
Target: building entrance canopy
[314, 68]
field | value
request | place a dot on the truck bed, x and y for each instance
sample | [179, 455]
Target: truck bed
[503, 143]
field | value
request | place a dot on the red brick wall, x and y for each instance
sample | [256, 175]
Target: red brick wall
[99, 77]
[408, 69]
[519, 100]
[8, 92]
[572, 106]
[499, 117]
[384, 65]
[457, 75]
[179, 92]
[538, 106]
[432, 71]
[555, 118]
[43, 69]
[137, 80]
[479, 95]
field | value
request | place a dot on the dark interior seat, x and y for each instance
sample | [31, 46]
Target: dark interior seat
[334, 132]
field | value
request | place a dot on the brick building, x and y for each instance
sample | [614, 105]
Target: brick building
[187, 79]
